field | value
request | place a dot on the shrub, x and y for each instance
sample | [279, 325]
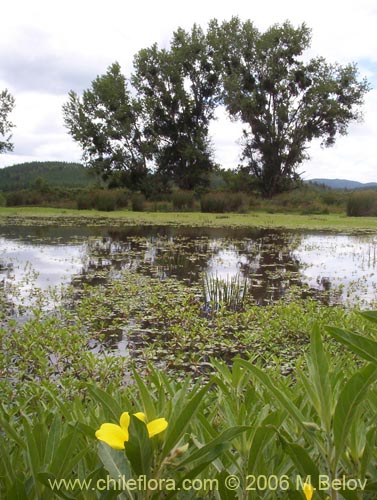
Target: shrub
[138, 202]
[25, 197]
[85, 201]
[106, 201]
[296, 199]
[223, 202]
[2, 200]
[102, 199]
[182, 200]
[362, 203]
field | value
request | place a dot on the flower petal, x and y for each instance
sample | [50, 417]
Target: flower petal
[141, 416]
[308, 491]
[113, 435]
[124, 422]
[156, 426]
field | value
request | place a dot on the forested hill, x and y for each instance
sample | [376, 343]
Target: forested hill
[52, 173]
[344, 184]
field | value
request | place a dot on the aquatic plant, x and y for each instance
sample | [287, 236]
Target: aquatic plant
[230, 292]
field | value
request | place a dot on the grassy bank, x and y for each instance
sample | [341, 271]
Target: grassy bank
[47, 216]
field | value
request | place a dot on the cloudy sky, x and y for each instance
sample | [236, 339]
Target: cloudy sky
[48, 48]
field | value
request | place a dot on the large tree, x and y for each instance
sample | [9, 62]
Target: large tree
[284, 100]
[107, 123]
[179, 88]
[6, 107]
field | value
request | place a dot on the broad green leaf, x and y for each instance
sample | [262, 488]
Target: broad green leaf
[303, 462]
[106, 401]
[349, 400]
[262, 437]
[138, 448]
[116, 464]
[54, 435]
[360, 345]
[32, 449]
[319, 377]
[63, 454]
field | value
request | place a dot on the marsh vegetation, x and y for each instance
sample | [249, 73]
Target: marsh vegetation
[210, 328]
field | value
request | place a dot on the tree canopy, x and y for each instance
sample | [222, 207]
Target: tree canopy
[106, 122]
[159, 119]
[284, 101]
[179, 88]
[6, 107]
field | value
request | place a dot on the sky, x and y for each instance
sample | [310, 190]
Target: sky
[49, 48]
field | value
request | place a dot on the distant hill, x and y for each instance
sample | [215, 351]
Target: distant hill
[344, 184]
[53, 173]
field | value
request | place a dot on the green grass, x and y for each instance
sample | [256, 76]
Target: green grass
[37, 215]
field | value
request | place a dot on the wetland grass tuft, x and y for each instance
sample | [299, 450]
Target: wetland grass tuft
[229, 292]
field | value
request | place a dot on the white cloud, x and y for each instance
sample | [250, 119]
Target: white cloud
[48, 48]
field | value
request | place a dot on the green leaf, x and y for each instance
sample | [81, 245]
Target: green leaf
[181, 417]
[275, 389]
[211, 449]
[146, 398]
[18, 491]
[106, 401]
[32, 449]
[303, 462]
[350, 495]
[13, 433]
[54, 435]
[262, 436]
[360, 345]
[349, 400]
[10, 475]
[116, 464]
[64, 454]
[370, 315]
[370, 444]
[319, 376]
[225, 493]
[138, 447]
[48, 480]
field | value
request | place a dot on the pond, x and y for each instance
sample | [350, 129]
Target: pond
[335, 268]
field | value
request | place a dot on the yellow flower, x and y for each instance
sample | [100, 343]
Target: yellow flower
[155, 427]
[308, 491]
[116, 435]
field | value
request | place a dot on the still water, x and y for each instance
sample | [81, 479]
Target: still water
[336, 268]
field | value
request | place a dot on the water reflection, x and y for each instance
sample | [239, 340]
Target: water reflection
[335, 267]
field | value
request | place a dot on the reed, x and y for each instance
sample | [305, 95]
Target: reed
[229, 292]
